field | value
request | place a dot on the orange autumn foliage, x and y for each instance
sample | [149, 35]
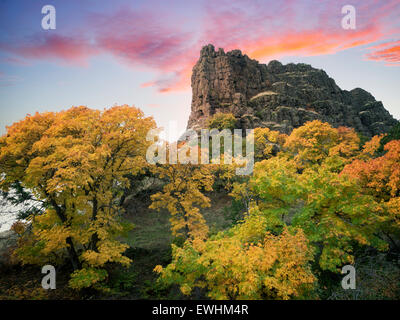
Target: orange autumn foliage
[380, 177]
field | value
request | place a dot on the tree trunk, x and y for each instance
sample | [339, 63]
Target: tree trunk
[73, 256]
[95, 238]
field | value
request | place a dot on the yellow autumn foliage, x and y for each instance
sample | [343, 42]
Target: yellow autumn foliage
[77, 162]
[246, 262]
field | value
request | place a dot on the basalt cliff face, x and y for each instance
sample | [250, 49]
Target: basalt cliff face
[280, 97]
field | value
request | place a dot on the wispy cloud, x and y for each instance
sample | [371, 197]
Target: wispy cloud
[389, 52]
[48, 46]
[143, 38]
[15, 61]
[297, 28]
[8, 80]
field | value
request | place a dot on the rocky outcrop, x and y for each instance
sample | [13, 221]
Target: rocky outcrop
[277, 96]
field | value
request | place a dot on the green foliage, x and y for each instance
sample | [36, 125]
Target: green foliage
[393, 134]
[159, 290]
[297, 198]
[245, 262]
[222, 121]
[235, 211]
[316, 199]
[122, 281]
[302, 187]
[87, 277]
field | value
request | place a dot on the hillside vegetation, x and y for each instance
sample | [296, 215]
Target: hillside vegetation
[115, 225]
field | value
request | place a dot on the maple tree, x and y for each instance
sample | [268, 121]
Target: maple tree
[380, 178]
[182, 195]
[77, 162]
[302, 187]
[328, 207]
[244, 262]
[186, 184]
[266, 142]
[393, 134]
[222, 121]
[315, 141]
[315, 196]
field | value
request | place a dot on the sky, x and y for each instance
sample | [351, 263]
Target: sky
[105, 53]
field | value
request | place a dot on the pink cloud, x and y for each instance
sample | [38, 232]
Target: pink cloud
[145, 39]
[71, 50]
[141, 38]
[301, 33]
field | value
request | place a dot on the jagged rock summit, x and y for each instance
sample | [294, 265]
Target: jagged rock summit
[280, 97]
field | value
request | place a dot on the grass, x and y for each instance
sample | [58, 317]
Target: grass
[265, 93]
[150, 245]
[24, 282]
[153, 229]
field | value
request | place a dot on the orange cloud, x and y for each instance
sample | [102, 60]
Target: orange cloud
[143, 38]
[309, 43]
[388, 52]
